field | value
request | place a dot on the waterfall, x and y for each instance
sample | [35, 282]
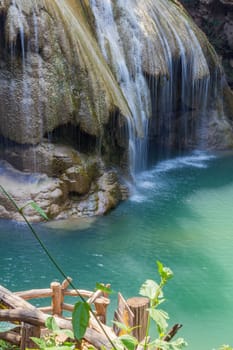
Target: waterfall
[92, 91]
[148, 65]
[129, 76]
[156, 57]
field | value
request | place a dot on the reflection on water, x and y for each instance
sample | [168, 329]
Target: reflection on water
[71, 224]
[180, 213]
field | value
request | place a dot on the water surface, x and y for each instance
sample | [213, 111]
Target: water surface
[181, 213]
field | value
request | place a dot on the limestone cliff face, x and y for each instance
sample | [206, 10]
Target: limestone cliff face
[52, 72]
[57, 100]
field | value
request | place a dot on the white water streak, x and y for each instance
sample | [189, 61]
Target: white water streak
[129, 75]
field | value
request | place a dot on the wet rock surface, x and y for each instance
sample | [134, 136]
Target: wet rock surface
[215, 18]
[80, 191]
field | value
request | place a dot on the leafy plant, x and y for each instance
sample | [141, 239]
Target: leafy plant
[4, 345]
[56, 338]
[154, 292]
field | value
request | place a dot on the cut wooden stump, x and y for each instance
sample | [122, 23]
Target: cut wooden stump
[139, 308]
[132, 313]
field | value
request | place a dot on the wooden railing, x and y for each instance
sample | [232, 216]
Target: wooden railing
[15, 307]
[58, 291]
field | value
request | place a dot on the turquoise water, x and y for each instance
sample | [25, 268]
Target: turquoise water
[181, 213]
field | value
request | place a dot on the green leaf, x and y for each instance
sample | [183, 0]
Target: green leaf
[37, 208]
[40, 342]
[7, 326]
[160, 317]
[80, 319]
[149, 289]
[104, 289]
[160, 267]
[164, 272]
[51, 324]
[128, 341]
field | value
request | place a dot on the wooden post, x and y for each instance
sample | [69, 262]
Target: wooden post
[101, 310]
[139, 306]
[64, 286]
[27, 332]
[56, 298]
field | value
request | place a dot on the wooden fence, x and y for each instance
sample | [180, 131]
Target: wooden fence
[14, 307]
[58, 291]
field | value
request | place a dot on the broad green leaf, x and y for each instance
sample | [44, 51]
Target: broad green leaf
[128, 341]
[160, 317]
[149, 289]
[104, 289]
[80, 319]
[7, 326]
[51, 324]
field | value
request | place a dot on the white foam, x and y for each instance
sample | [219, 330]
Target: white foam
[197, 159]
[138, 197]
[149, 182]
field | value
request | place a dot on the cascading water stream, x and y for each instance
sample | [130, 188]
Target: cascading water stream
[186, 84]
[26, 90]
[129, 76]
[176, 61]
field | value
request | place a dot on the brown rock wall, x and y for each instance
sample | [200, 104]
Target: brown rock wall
[215, 18]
